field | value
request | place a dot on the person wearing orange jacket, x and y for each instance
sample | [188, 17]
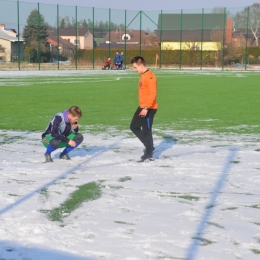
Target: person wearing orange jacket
[142, 121]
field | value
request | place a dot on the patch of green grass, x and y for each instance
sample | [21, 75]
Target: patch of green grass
[176, 195]
[215, 224]
[122, 222]
[203, 241]
[219, 101]
[232, 208]
[86, 192]
[254, 206]
[235, 162]
[123, 179]
[189, 197]
[116, 187]
[256, 251]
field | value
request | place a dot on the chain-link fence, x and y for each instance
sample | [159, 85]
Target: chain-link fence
[41, 36]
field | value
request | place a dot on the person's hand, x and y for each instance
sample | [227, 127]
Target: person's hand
[74, 126]
[143, 112]
[72, 143]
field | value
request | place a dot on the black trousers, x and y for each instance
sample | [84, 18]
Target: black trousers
[142, 128]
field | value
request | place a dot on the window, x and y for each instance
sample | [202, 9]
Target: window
[76, 41]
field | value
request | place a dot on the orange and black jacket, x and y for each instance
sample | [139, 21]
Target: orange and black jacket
[147, 90]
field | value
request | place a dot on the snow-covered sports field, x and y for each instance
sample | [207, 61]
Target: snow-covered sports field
[200, 195]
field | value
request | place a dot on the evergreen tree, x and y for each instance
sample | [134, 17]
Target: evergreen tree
[84, 24]
[62, 23]
[35, 37]
[100, 25]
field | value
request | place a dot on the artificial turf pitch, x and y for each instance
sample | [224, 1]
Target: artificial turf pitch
[204, 100]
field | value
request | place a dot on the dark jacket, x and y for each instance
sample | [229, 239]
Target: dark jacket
[59, 127]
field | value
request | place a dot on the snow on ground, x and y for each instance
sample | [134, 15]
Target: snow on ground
[130, 210]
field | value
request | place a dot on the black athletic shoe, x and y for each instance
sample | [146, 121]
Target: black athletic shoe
[149, 159]
[153, 150]
[146, 158]
[48, 158]
[64, 156]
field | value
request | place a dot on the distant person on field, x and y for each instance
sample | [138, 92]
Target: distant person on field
[107, 64]
[62, 132]
[122, 61]
[117, 60]
[142, 121]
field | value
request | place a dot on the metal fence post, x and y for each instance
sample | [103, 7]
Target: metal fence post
[39, 54]
[58, 38]
[93, 31]
[160, 58]
[181, 42]
[125, 43]
[109, 18]
[202, 36]
[140, 48]
[77, 36]
[247, 24]
[223, 40]
[18, 22]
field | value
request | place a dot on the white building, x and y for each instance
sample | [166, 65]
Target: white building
[9, 45]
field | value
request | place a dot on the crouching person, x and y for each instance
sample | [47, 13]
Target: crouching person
[62, 132]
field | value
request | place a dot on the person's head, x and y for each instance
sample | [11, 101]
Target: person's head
[74, 114]
[117, 52]
[108, 58]
[139, 64]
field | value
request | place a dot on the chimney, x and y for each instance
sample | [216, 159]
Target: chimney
[2, 26]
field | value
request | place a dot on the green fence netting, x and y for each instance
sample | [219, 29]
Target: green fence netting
[43, 36]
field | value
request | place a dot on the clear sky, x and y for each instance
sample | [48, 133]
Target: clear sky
[150, 5]
[48, 9]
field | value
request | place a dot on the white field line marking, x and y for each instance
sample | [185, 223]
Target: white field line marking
[18, 84]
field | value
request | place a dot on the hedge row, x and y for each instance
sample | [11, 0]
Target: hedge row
[191, 57]
[254, 51]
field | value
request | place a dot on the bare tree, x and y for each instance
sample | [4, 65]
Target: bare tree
[221, 10]
[250, 18]
[216, 36]
[231, 53]
[192, 39]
